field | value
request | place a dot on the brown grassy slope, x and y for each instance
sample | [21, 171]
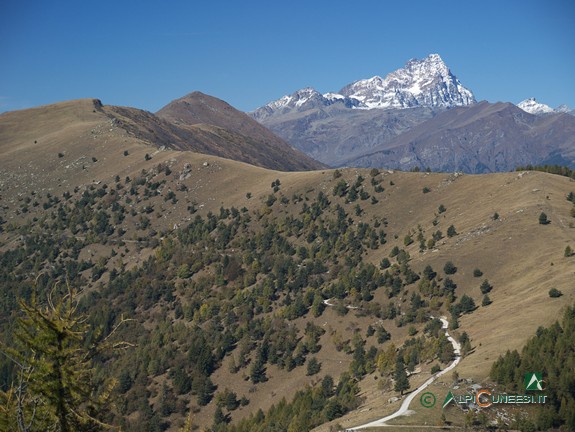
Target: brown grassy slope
[220, 118]
[521, 258]
[61, 122]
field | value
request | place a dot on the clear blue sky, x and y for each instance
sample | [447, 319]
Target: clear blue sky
[145, 54]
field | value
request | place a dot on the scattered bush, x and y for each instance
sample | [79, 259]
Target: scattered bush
[449, 268]
[485, 287]
[543, 219]
[271, 200]
[313, 366]
[276, 185]
[554, 293]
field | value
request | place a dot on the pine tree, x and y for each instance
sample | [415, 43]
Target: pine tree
[313, 366]
[56, 387]
[449, 268]
[400, 376]
[258, 371]
[465, 343]
[220, 417]
[485, 287]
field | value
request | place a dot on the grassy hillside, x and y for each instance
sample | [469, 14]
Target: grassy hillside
[225, 268]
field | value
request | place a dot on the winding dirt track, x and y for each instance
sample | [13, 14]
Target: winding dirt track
[404, 408]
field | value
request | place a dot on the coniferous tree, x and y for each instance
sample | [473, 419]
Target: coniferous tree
[449, 268]
[258, 371]
[485, 287]
[313, 366]
[400, 376]
[56, 387]
[429, 273]
[465, 343]
[220, 417]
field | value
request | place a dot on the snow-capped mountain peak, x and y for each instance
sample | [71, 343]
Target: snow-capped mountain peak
[564, 109]
[302, 100]
[533, 107]
[296, 99]
[427, 82]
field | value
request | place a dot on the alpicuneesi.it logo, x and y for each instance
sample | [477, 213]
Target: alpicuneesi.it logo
[485, 398]
[534, 381]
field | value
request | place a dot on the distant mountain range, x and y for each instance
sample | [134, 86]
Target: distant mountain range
[421, 83]
[481, 138]
[418, 116]
[414, 118]
[533, 107]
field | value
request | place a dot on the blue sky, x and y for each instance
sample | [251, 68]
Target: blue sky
[145, 54]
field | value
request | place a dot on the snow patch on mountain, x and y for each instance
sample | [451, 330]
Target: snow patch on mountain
[533, 107]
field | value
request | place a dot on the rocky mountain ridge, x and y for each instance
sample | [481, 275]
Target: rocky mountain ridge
[427, 82]
[531, 106]
[392, 122]
[480, 139]
[421, 83]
